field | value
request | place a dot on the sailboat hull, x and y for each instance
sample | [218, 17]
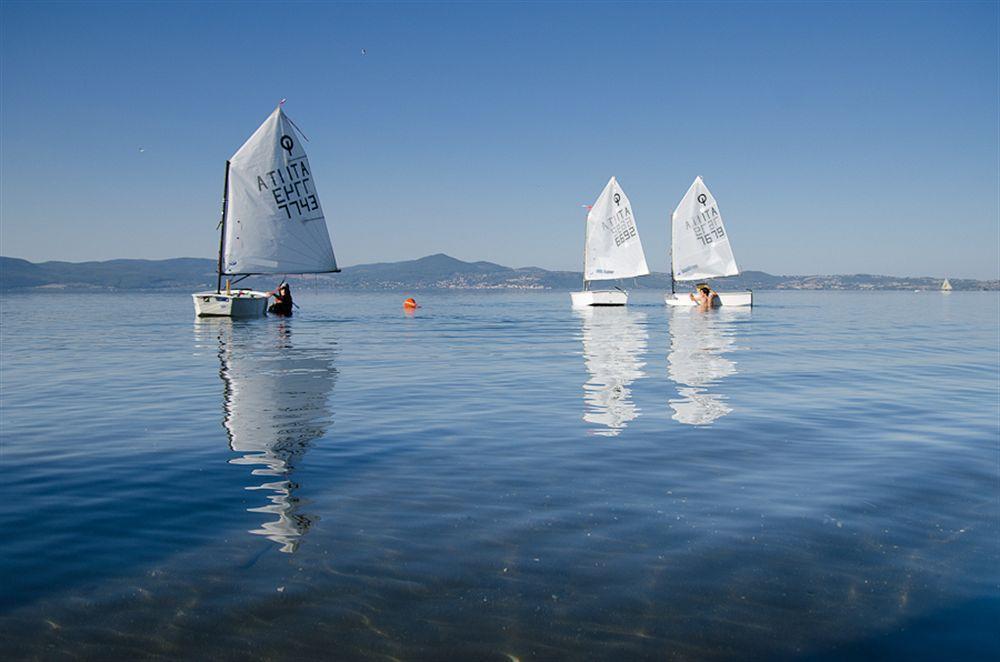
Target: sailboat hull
[599, 298]
[239, 304]
[725, 298]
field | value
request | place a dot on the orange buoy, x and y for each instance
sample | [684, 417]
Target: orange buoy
[410, 304]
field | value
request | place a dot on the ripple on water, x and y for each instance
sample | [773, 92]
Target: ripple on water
[501, 477]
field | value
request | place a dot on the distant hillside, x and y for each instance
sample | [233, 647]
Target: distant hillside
[432, 272]
[185, 272]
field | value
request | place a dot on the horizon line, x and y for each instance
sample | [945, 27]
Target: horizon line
[363, 264]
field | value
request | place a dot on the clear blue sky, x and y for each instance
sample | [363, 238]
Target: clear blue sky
[838, 138]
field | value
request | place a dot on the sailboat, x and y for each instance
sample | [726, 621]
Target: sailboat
[272, 221]
[700, 247]
[611, 248]
[946, 286]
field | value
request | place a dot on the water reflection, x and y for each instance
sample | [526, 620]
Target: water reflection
[275, 405]
[699, 342]
[614, 345]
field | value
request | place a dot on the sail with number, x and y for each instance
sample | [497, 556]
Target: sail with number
[274, 222]
[612, 248]
[701, 247]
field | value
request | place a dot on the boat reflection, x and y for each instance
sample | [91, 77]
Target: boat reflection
[614, 346]
[275, 406]
[699, 342]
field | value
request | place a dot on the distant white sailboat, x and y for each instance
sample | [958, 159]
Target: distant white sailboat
[946, 286]
[700, 247]
[272, 221]
[612, 249]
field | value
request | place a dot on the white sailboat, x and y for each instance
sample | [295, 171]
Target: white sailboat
[612, 249]
[946, 286]
[272, 221]
[700, 247]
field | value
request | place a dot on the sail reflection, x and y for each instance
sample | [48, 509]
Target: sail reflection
[275, 406]
[614, 346]
[699, 342]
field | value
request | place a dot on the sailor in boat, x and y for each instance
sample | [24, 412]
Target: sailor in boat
[282, 301]
[705, 297]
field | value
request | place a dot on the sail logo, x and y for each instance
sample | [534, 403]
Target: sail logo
[702, 198]
[289, 186]
[706, 225]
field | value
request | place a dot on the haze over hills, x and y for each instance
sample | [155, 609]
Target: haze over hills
[432, 272]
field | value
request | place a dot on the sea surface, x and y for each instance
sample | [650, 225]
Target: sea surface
[500, 477]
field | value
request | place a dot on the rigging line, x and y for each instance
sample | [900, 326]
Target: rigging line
[319, 238]
[286, 261]
[300, 260]
[306, 255]
[308, 228]
[309, 231]
[307, 249]
[310, 248]
[296, 128]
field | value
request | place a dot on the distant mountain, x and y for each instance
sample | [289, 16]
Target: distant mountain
[185, 272]
[432, 272]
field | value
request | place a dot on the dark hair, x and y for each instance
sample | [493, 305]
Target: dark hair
[705, 290]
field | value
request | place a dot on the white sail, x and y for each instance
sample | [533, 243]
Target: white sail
[946, 286]
[274, 223]
[700, 244]
[612, 247]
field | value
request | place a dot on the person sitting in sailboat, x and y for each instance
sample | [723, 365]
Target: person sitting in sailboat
[706, 297]
[282, 301]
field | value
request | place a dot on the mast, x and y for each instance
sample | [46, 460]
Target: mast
[222, 228]
[673, 289]
[586, 228]
[672, 281]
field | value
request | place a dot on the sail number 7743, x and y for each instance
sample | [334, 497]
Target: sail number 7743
[289, 186]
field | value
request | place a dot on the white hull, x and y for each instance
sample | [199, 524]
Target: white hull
[599, 298]
[725, 298]
[238, 303]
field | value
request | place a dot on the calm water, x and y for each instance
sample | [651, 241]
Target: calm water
[500, 477]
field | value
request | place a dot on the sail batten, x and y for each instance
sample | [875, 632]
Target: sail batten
[700, 243]
[274, 222]
[612, 246]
